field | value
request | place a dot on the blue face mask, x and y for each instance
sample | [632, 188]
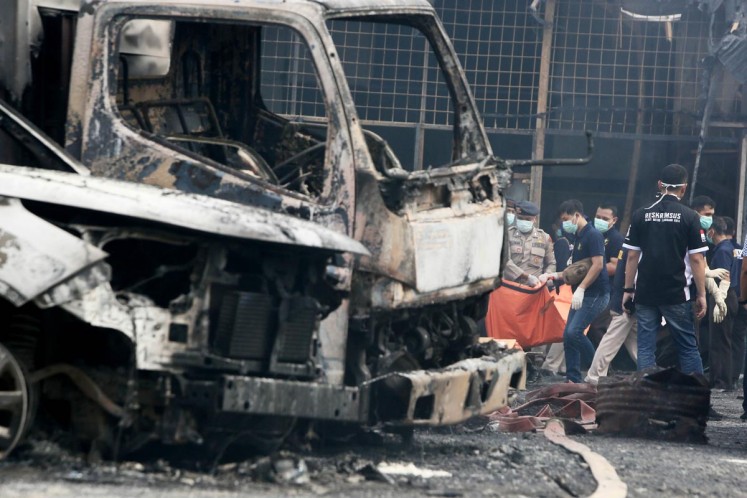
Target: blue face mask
[559, 233]
[524, 226]
[601, 225]
[570, 227]
[510, 217]
[706, 222]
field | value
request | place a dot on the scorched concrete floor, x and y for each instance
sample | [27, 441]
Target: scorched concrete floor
[467, 462]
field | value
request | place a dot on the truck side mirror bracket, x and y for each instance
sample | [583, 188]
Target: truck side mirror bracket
[512, 163]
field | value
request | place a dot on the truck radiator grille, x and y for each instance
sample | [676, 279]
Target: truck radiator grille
[296, 331]
[244, 328]
[269, 335]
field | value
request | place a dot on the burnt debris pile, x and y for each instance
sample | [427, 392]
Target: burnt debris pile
[665, 404]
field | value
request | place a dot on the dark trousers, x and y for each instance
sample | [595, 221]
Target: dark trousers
[720, 343]
[738, 338]
[701, 335]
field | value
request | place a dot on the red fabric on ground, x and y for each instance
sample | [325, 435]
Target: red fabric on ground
[571, 402]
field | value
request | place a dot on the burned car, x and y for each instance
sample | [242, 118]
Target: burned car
[126, 307]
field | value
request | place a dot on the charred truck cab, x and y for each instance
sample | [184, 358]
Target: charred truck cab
[255, 102]
[197, 97]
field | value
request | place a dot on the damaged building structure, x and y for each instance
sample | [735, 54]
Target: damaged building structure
[637, 73]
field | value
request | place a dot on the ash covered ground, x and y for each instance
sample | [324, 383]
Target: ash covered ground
[467, 460]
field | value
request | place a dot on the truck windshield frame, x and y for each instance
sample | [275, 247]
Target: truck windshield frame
[470, 141]
[312, 144]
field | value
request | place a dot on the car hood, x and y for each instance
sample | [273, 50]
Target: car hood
[169, 207]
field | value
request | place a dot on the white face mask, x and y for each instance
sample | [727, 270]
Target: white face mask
[524, 226]
[510, 217]
[601, 225]
[570, 226]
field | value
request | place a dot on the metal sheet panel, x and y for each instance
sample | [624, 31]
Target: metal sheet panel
[291, 398]
[36, 255]
[732, 52]
[452, 252]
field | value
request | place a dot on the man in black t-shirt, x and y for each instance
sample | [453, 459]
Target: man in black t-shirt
[659, 239]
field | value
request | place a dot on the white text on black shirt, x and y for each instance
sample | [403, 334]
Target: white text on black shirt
[660, 217]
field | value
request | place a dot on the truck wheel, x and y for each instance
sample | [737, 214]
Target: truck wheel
[14, 402]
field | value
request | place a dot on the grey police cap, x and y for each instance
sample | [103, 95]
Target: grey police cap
[528, 208]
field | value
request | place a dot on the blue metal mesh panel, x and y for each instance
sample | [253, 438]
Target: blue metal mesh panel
[499, 45]
[608, 73]
[392, 73]
[289, 85]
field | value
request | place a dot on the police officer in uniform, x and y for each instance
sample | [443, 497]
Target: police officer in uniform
[530, 247]
[666, 246]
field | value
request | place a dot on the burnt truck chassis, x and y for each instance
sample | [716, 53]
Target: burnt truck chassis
[125, 316]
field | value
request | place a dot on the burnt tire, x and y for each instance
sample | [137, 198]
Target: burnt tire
[15, 402]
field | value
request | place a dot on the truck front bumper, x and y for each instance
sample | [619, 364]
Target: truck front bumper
[421, 397]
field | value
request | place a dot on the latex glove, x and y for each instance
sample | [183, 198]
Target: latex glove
[720, 273]
[578, 298]
[723, 289]
[546, 277]
[532, 281]
[711, 287]
[719, 311]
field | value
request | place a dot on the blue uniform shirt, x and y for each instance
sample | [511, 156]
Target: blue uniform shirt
[613, 242]
[723, 257]
[590, 242]
[562, 250]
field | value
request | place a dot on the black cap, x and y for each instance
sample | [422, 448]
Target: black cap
[528, 208]
[510, 203]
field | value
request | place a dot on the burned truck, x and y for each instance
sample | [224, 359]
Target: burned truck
[124, 305]
[256, 102]
[250, 101]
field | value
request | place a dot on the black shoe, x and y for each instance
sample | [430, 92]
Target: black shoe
[714, 415]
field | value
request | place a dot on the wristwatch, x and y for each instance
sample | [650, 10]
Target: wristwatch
[628, 289]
